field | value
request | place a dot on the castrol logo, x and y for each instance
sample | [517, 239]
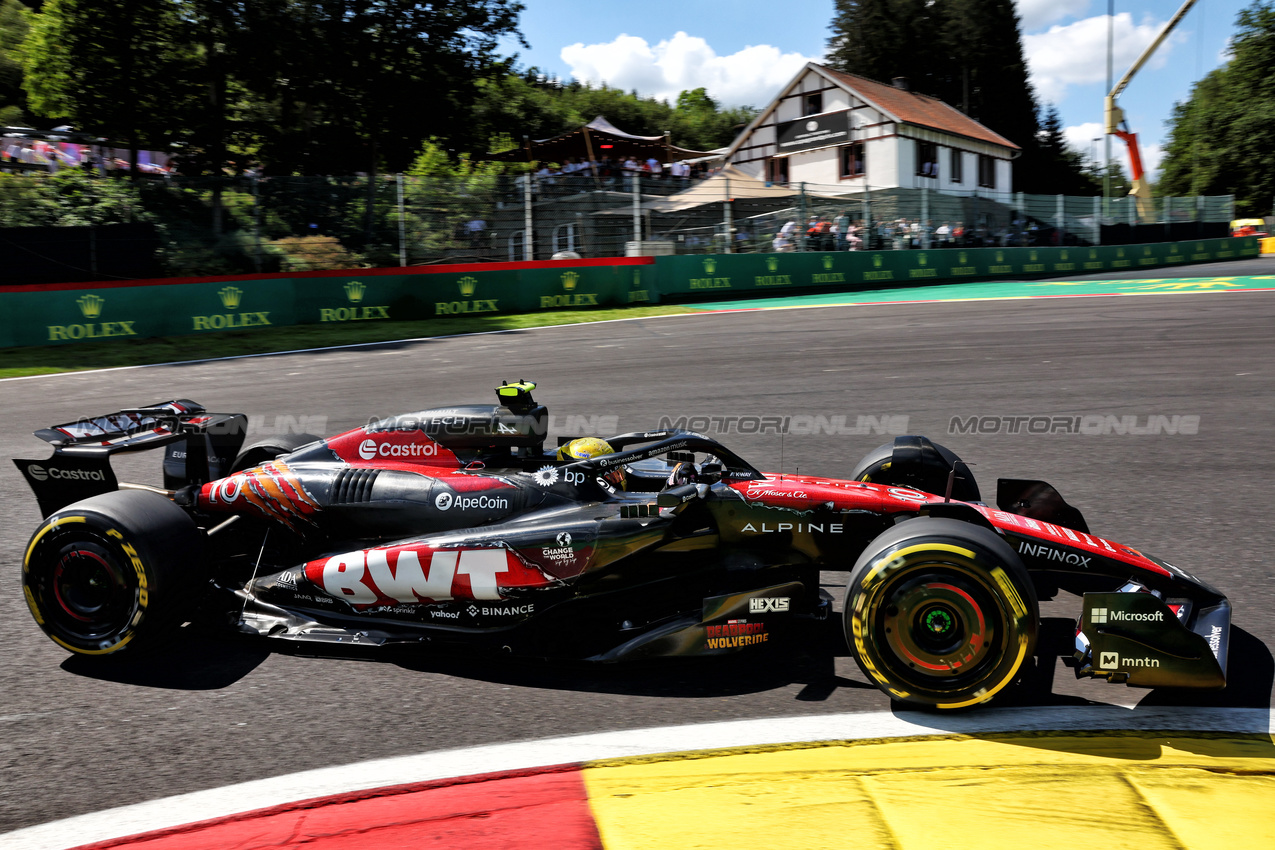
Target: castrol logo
[370, 449]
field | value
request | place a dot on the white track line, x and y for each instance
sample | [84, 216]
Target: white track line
[362, 776]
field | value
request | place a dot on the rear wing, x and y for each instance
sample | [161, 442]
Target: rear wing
[201, 446]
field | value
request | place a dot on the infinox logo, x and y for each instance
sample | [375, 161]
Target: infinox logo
[39, 473]
[370, 449]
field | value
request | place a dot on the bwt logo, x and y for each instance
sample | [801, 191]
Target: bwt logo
[354, 291]
[90, 306]
[468, 285]
[230, 297]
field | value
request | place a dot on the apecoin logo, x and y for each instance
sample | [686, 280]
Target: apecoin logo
[443, 501]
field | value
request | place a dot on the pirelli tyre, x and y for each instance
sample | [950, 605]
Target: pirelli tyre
[111, 573]
[262, 451]
[878, 467]
[941, 613]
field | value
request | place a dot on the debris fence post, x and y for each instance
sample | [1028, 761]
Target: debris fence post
[637, 207]
[1097, 220]
[726, 219]
[402, 222]
[528, 235]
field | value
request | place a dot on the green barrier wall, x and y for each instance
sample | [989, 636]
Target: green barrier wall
[55, 315]
[721, 274]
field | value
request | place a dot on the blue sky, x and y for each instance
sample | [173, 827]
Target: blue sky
[743, 51]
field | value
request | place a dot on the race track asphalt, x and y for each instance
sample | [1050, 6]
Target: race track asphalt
[77, 737]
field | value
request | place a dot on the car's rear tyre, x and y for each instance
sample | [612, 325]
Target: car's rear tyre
[111, 572]
[267, 450]
[940, 613]
[878, 467]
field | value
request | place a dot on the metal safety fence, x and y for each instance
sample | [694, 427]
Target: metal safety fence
[67, 227]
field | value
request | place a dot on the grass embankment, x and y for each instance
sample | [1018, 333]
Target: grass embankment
[43, 360]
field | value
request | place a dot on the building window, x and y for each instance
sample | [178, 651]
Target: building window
[852, 164]
[986, 171]
[957, 172]
[927, 159]
[777, 170]
[814, 104]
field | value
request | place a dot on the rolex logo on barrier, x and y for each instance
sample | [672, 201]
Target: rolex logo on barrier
[1146, 251]
[90, 308]
[355, 292]
[1093, 253]
[710, 265]
[636, 293]
[876, 260]
[574, 299]
[1064, 254]
[921, 259]
[90, 305]
[1120, 252]
[961, 258]
[827, 262]
[1000, 256]
[1031, 255]
[231, 299]
[772, 263]
[467, 285]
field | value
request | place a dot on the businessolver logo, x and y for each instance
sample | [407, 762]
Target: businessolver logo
[468, 286]
[91, 307]
[355, 292]
[231, 298]
[570, 298]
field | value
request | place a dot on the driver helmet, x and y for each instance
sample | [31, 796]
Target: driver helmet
[584, 448]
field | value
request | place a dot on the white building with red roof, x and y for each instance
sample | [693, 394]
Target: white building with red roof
[832, 129]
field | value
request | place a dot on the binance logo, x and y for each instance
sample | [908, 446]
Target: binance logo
[230, 297]
[468, 285]
[569, 280]
[90, 305]
[354, 291]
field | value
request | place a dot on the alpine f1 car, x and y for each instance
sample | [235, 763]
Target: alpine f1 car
[456, 525]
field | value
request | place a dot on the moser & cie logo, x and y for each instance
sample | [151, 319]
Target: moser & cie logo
[468, 286]
[90, 308]
[569, 282]
[709, 281]
[231, 297]
[354, 292]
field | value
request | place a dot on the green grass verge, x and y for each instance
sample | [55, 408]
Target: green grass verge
[47, 359]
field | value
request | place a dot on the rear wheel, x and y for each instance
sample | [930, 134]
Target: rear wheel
[111, 572]
[940, 613]
[267, 450]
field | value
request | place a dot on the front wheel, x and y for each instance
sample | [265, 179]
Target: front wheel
[940, 613]
[111, 572]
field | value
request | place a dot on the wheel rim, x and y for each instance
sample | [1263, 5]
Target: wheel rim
[939, 625]
[92, 596]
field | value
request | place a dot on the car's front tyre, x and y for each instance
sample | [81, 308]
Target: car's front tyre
[940, 613]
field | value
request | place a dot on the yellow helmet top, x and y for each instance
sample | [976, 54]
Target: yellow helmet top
[583, 448]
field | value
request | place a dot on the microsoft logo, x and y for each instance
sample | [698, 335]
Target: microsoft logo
[1098, 615]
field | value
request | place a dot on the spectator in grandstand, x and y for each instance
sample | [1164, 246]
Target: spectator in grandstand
[654, 167]
[943, 235]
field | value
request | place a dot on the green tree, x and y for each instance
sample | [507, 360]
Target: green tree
[14, 24]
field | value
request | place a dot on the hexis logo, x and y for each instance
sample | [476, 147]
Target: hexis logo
[443, 501]
[90, 305]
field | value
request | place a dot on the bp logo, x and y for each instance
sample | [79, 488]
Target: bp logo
[468, 285]
[772, 263]
[230, 297]
[90, 305]
[569, 280]
[354, 291]
[709, 265]
[827, 261]
[876, 260]
[921, 259]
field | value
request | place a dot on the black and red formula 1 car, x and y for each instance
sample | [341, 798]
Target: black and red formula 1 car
[456, 525]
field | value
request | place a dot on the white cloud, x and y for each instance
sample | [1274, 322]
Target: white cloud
[1076, 54]
[1152, 156]
[1037, 13]
[749, 77]
[1081, 138]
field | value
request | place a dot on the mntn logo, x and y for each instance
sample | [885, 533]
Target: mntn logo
[1109, 660]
